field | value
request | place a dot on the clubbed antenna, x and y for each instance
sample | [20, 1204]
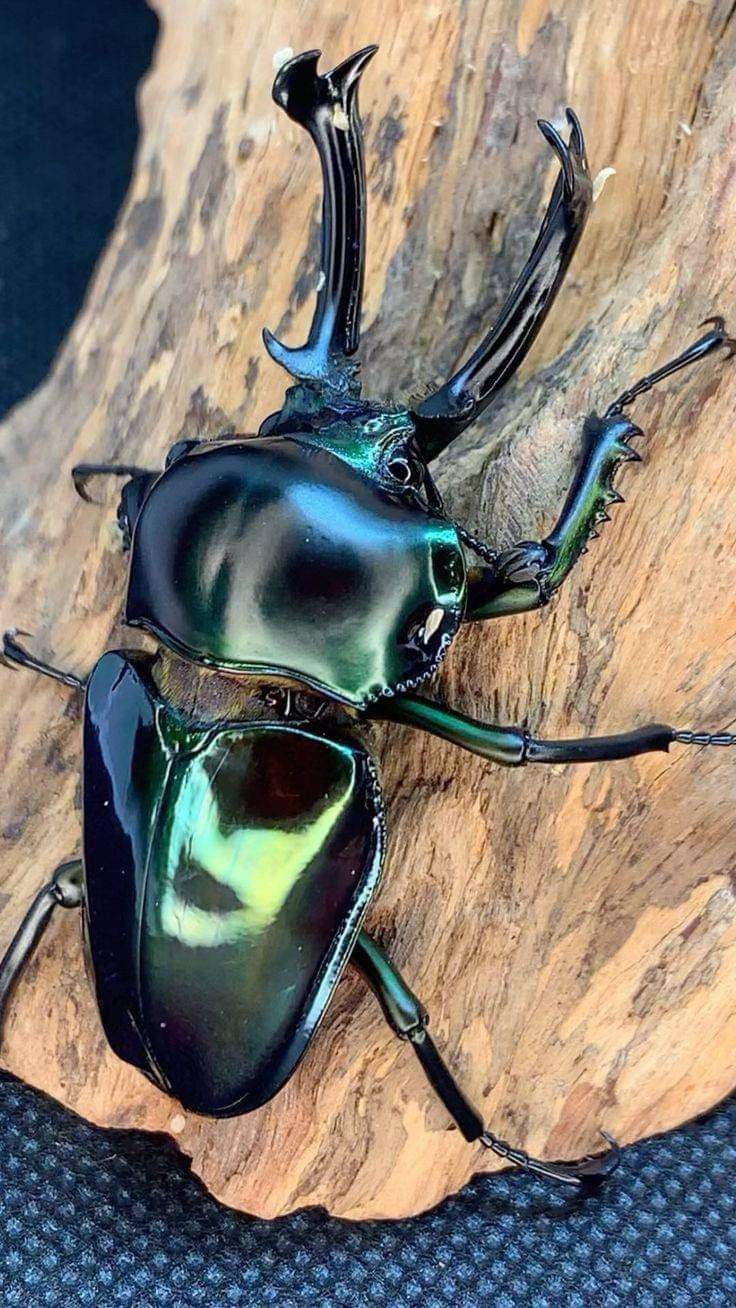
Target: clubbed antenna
[327, 106]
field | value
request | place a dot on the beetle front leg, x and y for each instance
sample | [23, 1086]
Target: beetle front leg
[64, 890]
[527, 575]
[408, 1019]
[15, 655]
[132, 495]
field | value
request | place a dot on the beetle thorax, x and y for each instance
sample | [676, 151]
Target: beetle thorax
[299, 557]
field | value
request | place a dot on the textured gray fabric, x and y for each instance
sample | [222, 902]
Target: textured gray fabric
[95, 1217]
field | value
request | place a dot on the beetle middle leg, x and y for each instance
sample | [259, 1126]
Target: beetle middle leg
[514, 747]
[64, 890]
[527, 575]
[408, 1018]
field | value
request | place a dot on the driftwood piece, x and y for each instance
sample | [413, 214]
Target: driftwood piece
[573, 932]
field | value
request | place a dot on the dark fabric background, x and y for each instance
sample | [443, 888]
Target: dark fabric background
[68, 129]
[93, 1217]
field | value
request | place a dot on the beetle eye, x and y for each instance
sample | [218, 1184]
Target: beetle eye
[403, 470]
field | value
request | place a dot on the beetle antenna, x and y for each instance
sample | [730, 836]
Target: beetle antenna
[326, 104]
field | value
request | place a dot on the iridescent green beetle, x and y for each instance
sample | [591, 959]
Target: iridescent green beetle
[300, 584]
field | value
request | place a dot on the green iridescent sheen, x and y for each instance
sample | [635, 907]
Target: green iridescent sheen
[368, 444]
[302, 558]
[228, 867]
[402, 1010]
[504, 745]
[496, 592]
[592, 493]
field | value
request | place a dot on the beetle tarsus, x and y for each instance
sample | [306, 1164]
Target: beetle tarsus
[320, 562]
[14, 655]
[586, 1174]
[526, 576]
[720, 330]
[408, 1019]
[713, 340]
[724, 738]
[513, 747]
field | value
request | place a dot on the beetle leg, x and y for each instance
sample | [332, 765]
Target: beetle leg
[448, 411]
[712, 340]
[326, 105]
[514, 747]
[64, 890]
[15, 655]
[408, 1018]
[527, 575]
[132, 495]
[84, 473]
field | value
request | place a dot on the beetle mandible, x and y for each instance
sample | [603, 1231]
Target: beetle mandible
[298, 585]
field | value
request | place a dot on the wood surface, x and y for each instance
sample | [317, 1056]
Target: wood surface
[572, 931]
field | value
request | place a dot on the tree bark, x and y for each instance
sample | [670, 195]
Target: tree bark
[571, 930]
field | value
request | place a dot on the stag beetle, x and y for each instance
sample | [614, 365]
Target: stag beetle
[299, 584]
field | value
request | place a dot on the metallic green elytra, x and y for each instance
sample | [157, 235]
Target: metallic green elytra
[244, 856]
[301, 558]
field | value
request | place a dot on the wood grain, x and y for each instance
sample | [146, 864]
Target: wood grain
[573, 932]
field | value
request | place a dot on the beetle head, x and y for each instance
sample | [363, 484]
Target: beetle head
[378, 440]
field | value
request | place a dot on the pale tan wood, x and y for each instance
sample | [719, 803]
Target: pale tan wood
[573, 932]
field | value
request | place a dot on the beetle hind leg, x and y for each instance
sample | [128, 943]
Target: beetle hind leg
[408, 1019]
[64, 890]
